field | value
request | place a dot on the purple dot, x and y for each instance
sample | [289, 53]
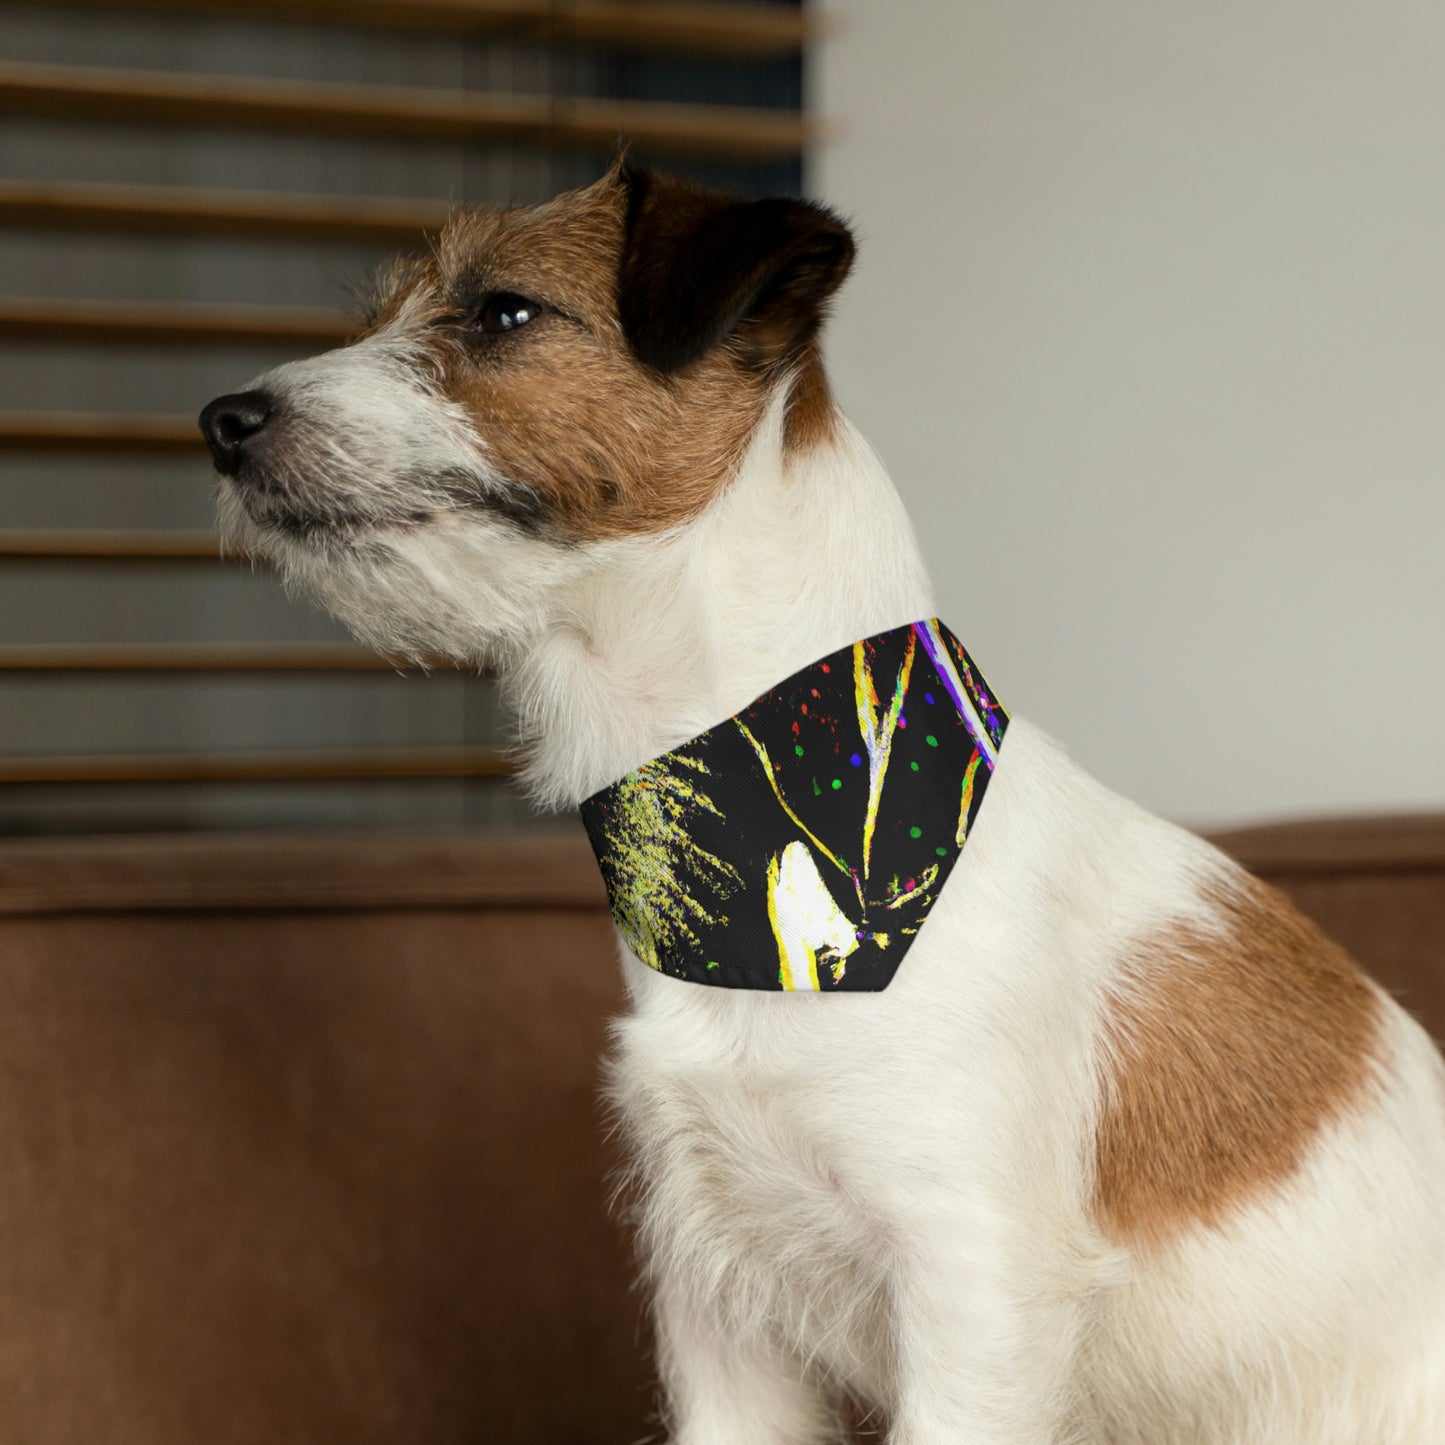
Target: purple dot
[902, 721]
[856, 761]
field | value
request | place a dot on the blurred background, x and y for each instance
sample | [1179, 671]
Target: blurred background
[301, 1006]
[1146, 322]
[1149, 324]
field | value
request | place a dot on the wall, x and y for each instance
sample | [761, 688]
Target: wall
[1149, 324]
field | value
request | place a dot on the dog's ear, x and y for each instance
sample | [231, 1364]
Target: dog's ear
[699, 267]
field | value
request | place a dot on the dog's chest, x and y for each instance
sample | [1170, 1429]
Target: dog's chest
[749, 1177]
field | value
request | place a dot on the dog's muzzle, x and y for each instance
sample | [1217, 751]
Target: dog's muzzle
[231, 424]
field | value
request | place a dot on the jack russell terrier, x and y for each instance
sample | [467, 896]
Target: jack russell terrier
[1097, 1141]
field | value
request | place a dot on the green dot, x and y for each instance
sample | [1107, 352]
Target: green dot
[915, 832]
[942, 852]
[798, 748]
[931, 740]
[914, 766]
[837, 783]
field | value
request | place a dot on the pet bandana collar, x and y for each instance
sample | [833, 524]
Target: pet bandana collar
[801, 844]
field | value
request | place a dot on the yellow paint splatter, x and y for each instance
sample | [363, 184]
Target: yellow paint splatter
[968, 777]
[925, 881]
[769, 774]
[877, 735]
[649, 850]
[807, 923]
[785, 959]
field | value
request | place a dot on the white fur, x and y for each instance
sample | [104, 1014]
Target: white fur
[889, 1194]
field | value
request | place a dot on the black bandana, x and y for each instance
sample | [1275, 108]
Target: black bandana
[800, 844]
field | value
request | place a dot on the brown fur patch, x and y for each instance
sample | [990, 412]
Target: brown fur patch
[604, 447]
[1228, 1052]
[812, 412]
[599, 443]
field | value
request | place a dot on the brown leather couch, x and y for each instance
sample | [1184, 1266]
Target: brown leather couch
[300, 1142]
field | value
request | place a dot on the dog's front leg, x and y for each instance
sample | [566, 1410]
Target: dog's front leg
[985, 1343]
[724, 1387]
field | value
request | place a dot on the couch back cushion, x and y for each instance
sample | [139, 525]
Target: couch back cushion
[300, 1139]
[300, 1142]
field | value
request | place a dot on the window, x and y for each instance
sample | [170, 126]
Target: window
[188, 192]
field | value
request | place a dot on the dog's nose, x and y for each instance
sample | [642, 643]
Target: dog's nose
[229, 422]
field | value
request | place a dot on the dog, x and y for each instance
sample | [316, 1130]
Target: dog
[1127, 1152]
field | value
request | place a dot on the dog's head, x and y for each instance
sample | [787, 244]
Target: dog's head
[546, 382]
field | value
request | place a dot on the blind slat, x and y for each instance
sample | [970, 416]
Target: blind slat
[217, 101]
[352, 765]
[175, 211]
[109, 546]
[171, 323]
[180, 657]
[745, 31]
[97, 431]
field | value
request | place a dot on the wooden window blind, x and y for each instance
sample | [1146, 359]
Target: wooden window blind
[187, 189]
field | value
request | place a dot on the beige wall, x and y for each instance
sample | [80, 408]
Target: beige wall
[1149, 324]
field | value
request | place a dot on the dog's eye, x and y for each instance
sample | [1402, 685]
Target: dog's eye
[505, 311]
